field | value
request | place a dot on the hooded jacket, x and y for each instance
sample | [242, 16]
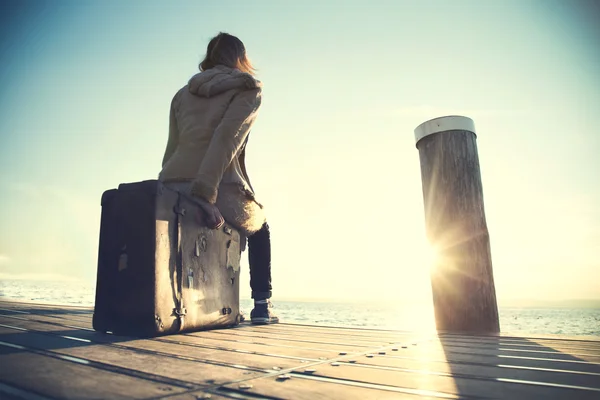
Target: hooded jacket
[210, 119]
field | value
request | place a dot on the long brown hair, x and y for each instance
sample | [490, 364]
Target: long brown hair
[228, 50]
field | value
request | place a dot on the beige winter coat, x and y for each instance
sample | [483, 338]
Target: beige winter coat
[210, 120]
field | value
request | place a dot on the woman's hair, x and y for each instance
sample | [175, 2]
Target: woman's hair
[228, 50]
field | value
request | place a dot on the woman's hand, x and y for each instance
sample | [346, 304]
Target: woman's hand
[214, 219]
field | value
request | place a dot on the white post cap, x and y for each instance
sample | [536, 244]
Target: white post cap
[442, 124]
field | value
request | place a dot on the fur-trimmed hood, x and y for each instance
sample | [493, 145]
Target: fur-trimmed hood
[220, 79]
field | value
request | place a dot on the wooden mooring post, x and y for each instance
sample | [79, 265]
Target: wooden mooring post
[464, 296]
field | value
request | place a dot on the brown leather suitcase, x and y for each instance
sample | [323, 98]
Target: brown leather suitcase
[160, 269]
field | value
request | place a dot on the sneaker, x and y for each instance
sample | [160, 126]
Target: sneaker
[262, 313]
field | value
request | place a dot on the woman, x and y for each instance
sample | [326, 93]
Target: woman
[210, 120]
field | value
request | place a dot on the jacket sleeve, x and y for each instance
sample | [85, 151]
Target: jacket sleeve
[226, 141]
[173, 139]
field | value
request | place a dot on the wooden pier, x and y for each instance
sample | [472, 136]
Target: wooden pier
[52, 352]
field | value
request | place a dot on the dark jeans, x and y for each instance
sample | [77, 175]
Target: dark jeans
[259, 258]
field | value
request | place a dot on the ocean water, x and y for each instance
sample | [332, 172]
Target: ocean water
[405, 316]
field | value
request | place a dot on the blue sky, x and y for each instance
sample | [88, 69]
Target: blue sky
[86, 88]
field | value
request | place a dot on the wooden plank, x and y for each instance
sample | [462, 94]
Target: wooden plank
[545, 353]
[257, 348]
[523, 362]
[500, 340]
[207, 343]
[285, 347]
[235, 331]
[554, 353]
[65, 318]
[464, 341]
[532, 349]
[198, 373]
[212, 395]
[490, 351]
[348, 332]
[424, 366]
[497, 356]
[79, 321]
[307, 388]
[474, 355]
[464, 386]
[62, 379]
[50, 319]
[482, 355]
[41, 306]
[549, 336]
[339, 344]
[74, 319]
[18, 303]
[527, 344]
[314, 336]
[558, 353]
[47, 308]
[176, 344]
[238, 334]
[392, 336]
[344, 344]
[8, 392]
[399, 359]
[172, 349]
[548, 339]
[523, 347]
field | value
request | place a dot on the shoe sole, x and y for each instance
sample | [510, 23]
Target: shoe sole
[264, 321]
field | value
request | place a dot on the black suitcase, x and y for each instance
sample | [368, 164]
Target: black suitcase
[160, 269]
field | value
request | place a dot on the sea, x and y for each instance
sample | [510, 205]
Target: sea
[406, 315]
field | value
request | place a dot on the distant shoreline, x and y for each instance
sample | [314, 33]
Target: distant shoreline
[575, 303]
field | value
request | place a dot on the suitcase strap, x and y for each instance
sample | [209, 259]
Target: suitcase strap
[179, 309]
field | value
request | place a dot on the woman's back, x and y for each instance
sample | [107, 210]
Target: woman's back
[198, 109]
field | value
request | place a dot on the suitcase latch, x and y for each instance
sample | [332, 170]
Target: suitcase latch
[201, 245]
[180, 312]
[190, 278]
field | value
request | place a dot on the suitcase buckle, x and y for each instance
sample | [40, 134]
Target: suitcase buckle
[201, 245]
[180, 312]
[226, 310]
[179, 210]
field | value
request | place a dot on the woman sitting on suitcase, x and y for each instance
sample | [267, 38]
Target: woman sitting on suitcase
[210, 120]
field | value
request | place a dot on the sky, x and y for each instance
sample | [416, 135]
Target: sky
[84, 106]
